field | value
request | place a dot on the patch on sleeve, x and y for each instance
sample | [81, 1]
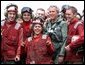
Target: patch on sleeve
[75, 26]
[30, 39]
[17, 26]
[2, 22]
[74, 38]
[44, 36]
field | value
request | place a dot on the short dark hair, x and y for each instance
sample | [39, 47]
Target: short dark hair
[74, 10]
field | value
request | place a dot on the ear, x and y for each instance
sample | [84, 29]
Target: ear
[75, 15]
[5, 14]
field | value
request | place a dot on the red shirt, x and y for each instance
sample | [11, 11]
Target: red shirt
[26, 29]
[38, 51]
[10, 45]
[26, 33]
[71, 56]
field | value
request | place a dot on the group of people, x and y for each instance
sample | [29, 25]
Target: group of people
[47, 38]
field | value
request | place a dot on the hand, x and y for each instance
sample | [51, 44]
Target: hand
[60, 59]
[22, 44]
[17, 58]
[32, 62]
[48, 43]
[68, 48]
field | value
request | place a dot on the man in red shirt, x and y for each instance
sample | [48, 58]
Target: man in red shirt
[11, 31]
[75, 37]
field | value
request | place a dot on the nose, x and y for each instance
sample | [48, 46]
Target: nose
[12, 15]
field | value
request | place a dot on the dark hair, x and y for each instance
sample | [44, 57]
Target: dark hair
[64, 8]
[40, 18]
[74, 10]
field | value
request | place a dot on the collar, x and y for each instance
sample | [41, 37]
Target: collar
[57, 20]
[38, 36]
[74, 20]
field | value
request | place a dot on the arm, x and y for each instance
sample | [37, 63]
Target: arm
[80, 40]
[20, 39]
[50, 46]
[64, 35]
[62, 51]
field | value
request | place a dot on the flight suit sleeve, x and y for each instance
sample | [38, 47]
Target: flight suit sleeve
[64, 35]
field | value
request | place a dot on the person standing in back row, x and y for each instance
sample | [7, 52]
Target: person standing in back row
[56, 28]
[26, 21]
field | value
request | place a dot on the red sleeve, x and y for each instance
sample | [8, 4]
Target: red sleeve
[50, 48]
[26, 45]
[80, 41]
[20, 39]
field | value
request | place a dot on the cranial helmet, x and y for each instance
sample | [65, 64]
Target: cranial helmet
[26, 9]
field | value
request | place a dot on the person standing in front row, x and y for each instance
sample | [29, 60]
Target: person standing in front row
[38, 47]
[11, 31]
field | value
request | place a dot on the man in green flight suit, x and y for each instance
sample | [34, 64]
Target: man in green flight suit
[56, 28]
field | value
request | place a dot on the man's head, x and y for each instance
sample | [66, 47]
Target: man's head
[26, 13]
[53, 12]
[40, 13]
[11, 12]
[70, 13]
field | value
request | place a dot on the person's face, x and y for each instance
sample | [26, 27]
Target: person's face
[37, 29]
[40, 13]
[69, 15]
[26, 16]
[11, 16]
[52, 13]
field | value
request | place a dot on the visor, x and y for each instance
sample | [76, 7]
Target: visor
[26, 9]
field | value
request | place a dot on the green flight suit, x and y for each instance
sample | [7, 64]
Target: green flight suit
[57, 30]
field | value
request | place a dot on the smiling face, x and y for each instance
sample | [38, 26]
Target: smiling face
[26, 16]
[37, 29]
[40, 13]
[53, 13]
[69, 15]
[11, 16]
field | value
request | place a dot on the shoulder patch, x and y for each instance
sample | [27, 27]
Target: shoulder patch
[44, 36]
[75, 26]
[2, 22]
[74, 38]
[17, 26]
[29, 39]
